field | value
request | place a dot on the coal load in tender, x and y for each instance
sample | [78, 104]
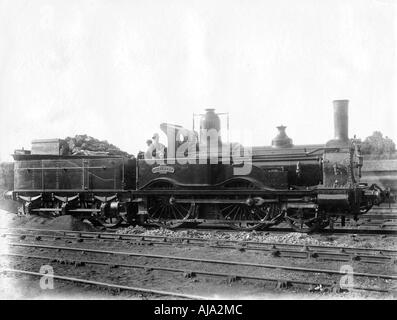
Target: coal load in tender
[86, 145]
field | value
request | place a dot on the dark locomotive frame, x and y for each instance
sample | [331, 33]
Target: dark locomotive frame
[308, 186]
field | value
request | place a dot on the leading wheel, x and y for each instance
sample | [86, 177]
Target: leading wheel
[305, 220]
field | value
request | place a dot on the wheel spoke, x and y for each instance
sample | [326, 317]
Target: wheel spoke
[163, 213]
[156, 210]
[173, 210]
[230, 212]
[226, 208]
[257, 214]
[178, 209]
[245, 218]
[236, 213]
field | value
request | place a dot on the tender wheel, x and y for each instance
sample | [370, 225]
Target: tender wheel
[110, 222]
[24, 209]
[107, 219]
[56, 213]
[305, 220]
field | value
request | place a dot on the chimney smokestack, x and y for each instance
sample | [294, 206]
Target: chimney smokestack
[341, 120]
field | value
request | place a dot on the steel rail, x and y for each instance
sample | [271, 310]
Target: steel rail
[384, 216]
[229, 277]
[343, 230]
[267, 266]
[87, 235]
[365, 226]
[105, 284]
[304, 253]
[370, 227]
[210, 261]
[277, 249]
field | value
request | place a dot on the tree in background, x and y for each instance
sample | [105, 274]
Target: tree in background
[379, 146]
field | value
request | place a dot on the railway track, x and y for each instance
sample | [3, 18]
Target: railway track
[382, 207]
[367, 255]
[112, 286]
[379, 221]
[373, 229]
[189, 272]
[82, 251]
[370, 229]
[380, 216]
[371, 225]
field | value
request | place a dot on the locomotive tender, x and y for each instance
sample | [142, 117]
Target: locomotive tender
[202, 179]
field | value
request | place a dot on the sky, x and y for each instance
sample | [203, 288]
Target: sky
[117, 69]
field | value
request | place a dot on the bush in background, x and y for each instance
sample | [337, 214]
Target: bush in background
[377, 146]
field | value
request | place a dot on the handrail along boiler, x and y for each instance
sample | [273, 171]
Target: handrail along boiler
[309, 186]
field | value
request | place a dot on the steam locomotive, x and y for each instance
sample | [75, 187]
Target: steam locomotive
[199, 178]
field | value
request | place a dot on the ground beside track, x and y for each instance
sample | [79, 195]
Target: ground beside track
[335, 239]
[25, 287]
[212, 287]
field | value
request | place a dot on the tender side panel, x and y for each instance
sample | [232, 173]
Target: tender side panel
[78, 174]
[63, 174]
[105, 173]
[28, 175]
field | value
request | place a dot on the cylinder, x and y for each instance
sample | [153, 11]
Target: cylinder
[341, 120]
